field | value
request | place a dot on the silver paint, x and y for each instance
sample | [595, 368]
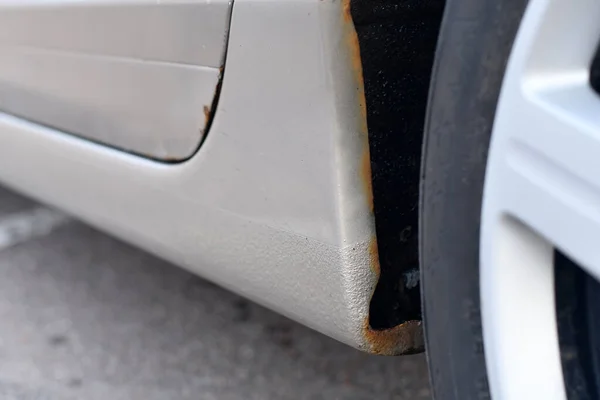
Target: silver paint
[275, 205]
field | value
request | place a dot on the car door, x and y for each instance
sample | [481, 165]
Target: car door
[135, 75]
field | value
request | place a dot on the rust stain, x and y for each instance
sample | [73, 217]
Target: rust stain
[209, 110]
[374, 257]
[346, 12]
[406, 338]
[206, 110]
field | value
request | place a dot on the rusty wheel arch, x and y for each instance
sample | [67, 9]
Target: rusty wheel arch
[396, 42]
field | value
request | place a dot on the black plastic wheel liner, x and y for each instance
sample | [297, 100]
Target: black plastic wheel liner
[397, 44]
[578, 322]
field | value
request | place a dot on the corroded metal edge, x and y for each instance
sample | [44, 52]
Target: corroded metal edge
[407, 337]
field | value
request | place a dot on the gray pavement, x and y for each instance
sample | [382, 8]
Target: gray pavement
[84, 316]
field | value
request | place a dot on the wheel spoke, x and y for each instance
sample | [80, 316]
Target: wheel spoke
[551, 168]
[545, 154]
[542, 192]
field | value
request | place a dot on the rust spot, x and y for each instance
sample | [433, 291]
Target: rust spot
[374, 257]
[206, 110]
[346, 12]
[353, 51]
[406, 338]
[209, 110]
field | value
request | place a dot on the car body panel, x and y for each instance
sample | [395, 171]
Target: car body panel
[277, 203]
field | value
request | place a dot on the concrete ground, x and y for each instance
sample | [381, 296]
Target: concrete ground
[84, 316]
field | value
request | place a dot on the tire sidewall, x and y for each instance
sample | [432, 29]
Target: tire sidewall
[473, 49]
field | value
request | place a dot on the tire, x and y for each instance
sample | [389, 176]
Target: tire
[473, 49]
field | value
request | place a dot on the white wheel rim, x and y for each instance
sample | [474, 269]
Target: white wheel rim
[542, 192]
